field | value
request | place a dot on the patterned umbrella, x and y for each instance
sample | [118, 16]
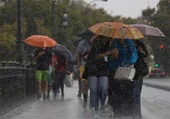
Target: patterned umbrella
[116, 30]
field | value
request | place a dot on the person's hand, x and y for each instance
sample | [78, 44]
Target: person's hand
[100, 56]
[114, 51]
[41, 53]
[141, 50]
[112, 57]
[53, 69]
[84, 81]
[67, 72]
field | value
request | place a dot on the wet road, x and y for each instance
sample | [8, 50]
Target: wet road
[157, 102]
[155, 105]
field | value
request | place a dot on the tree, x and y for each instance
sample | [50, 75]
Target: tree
[7, 42]
[160, 18]
[37, 19]
[147, 15]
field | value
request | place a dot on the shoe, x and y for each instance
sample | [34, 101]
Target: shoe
[79, 95]
[39, 96]
[48, 96]
[103, 113]
[84, 104]
[117, 116]
[97, 115]
[55, 95]
[138, 117]
[44, 97]
[91, 106]
[62, 95]
[58, 91]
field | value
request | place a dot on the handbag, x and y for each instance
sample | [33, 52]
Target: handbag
[68, 80]
[125, 73]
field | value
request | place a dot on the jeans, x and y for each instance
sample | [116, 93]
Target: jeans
[98, 90]
[137, 95]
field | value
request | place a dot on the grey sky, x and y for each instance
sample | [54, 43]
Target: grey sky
[125, 8]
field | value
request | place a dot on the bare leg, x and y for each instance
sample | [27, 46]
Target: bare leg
[39, 89]
[45, 87]
[45, 90]
[49, 89]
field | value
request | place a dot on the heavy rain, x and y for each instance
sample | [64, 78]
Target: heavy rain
[84, 59]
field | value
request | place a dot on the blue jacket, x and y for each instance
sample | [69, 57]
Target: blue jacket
[127, 54]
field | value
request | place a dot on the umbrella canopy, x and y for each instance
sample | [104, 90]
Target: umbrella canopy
[85, 33]
[40, 41]
[116, 30]
[62, 50]
[148, 30]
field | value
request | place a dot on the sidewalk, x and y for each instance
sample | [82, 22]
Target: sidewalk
[163, 83]
[71, 107]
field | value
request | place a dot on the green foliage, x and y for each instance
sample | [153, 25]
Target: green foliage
[147, 13]
[7, 46]
[160, 18]
[37, 19]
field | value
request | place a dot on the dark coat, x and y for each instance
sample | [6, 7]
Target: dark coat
[141, 65]
[96, 67]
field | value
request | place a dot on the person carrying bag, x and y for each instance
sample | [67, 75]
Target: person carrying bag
[141, 71]
[121, 91]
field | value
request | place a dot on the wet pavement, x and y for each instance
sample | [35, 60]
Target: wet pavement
[71, 107]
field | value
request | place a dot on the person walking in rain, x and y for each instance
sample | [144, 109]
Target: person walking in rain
[61, 68]
[121, 91]
[96, 73]
[42, 57]
[81, 55]
[141, 70]
[53, 62]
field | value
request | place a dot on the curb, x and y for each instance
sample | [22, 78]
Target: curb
[166, 88]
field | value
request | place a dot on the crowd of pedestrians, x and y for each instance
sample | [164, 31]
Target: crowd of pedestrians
[105, 56]
[97, 58]
[51, 69]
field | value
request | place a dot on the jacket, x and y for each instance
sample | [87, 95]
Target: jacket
[95, 67]
[127, 54]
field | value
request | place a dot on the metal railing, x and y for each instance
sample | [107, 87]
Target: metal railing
[17, 86]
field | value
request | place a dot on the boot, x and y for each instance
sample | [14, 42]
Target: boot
[85, 100]
[38, 96]
[79, 94]
[44, 97]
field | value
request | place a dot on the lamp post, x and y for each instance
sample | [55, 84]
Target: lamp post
[94, 1]
[53, 18]
[19, 42]
[65, 23]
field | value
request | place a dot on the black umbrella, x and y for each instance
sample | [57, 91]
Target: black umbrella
[62, 50]
[85, 33]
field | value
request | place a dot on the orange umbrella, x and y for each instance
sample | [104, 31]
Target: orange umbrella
[40, 41]
[116, 30]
